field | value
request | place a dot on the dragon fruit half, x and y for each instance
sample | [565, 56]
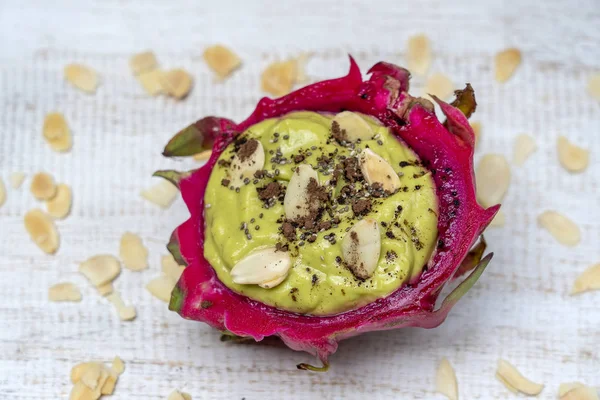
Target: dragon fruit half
[445, 149]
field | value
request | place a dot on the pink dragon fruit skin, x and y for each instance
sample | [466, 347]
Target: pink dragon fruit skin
[446, 149]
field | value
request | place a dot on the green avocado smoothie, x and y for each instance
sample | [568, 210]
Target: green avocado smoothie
[357, 221]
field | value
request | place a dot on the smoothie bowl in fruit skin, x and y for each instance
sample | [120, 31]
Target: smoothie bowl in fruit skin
[444, 149]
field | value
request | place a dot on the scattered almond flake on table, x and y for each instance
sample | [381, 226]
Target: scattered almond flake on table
[56, 132]
[92, 380]
[524, 146]
[42, 230]
[476, 126]
[205, 155]
[593, 86]
[506, 62]
[161, 287]
[100, 269]
[221, 60]
[162, 194]
[171, 268]
[2, 192]
[492, 178]
[438, 85]
[126, 313]
[64, 292]
[573, 158]
[560, 227]
[177, 395]
[118, 366]
[445, 380]
[418, 54]
[152, 82]
[60, 206]
[105, 289]
[143, 62]
[588, 280]
[82, 77]
[132, 252]
[499, 219]
[581, 393]
[514, 381]
[176, 82]
[16, 179]
[43, 186]
[279, 77]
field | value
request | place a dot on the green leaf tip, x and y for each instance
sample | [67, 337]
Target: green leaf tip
[172, 176]
[308, 367]
[176, 301]
[465, 100]
[173, 248]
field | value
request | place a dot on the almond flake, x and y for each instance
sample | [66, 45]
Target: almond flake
[81, 392]
[82, 77]
[64, 292]
[171, 268]
[177, 395]
[573, 158]
[361, 248]
[261, 267]
[143, 62]
[60, 206]
[593, 86]
[42, 230]
[445, 381]
[476, 126]
[161, 287]
[118, 366]
[492, 178]
[132, 252]
[507, 62]
[205, 155]
[57, 133]
[43, 186]
[91, 375]
[245, 165]
[80, 369]
[126, 313]
[439, 85]
[162, 194]
[377, 170]
[177, 83]
[560, 227]
[100, 269]
[525, 146]
[2, 193]
[566, 387]
[296, 203]
[16, 179]
[588, 280]
[279, 77]
[499, 219]
[221, 60]
[353, 126]
[105, 289]
[109, 385]
[581, 393]
[513, 379]
[419, 54]
[152, 82]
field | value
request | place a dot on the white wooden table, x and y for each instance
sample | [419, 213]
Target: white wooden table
[519, 310]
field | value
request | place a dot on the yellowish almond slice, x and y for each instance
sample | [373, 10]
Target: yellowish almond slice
[524, 147]
[445, 380]
[126, 313]
[352, 126]
[581, 393]
[261, 267]
[492, 178]
[151, 82]
[81, 392]
[177, 83]
[361, 248]
[132, 252]
[143, 62]
[499, 219]
[109, 385]
[105, 289]
[80, 369]
[64, 292]
[118, 366]
[221, 60]
[573, 158]
[43, 186]
[513, 377]
[162, 194]
[60, 205]
[377, 170]
[177, 395]
[506, 62]
[91, 375]
[161, 287]
[564, 230]
[439, 85]
[476, 126]
[249, 159]
[56, 132]
[82, 77]
[593, 86]
[16, 179]
[566, 387]
[419, 54]
[279, 77]
[42, 230]
[171, 268]
[100, 269]
[205, 155]
[588, 280]
[2, 193]
[296, 203]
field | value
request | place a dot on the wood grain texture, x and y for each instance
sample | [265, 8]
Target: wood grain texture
[519, 310]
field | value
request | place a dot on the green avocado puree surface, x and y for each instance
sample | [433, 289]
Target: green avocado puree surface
[237, 222]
